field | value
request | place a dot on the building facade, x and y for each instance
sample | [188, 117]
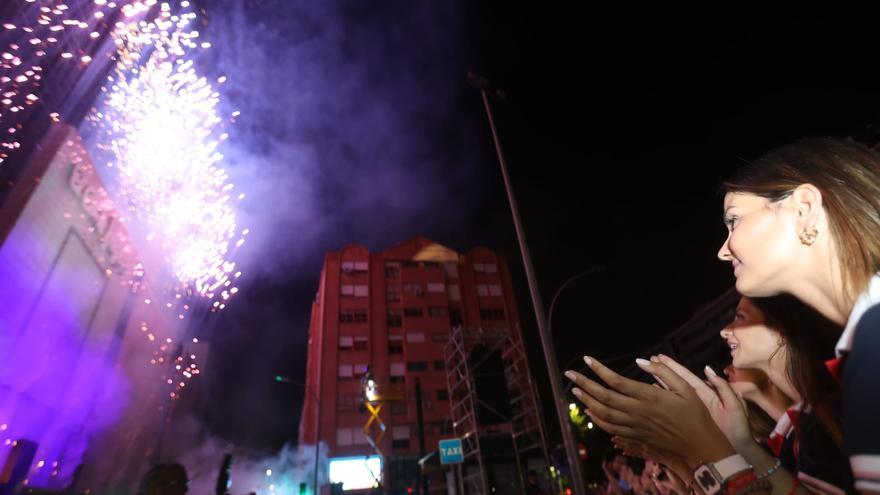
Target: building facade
[92, 347]
[392, 314]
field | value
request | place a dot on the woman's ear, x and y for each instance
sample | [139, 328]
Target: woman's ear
[806, 199]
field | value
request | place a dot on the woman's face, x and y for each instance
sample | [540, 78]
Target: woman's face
[761, 243]
[752, 343]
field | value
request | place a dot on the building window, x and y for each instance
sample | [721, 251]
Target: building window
[348, 403]
[400, 444]
[354, 267]
[397, 372]
[455, 317]
[360, 343]
[451, 269]
[359, 437]
[417, 366]
[398, 408]
[360, 370]
[392, 293]
[443, 394]
[360, 290]
[495, 290]
[437, 312]
[392, 270]
[436, 287]
[412, 312]
[492, 314]
[439, 365]
[415, 338]
[394, 319]
[344, 437]
[400, 432]
[490, 267]
[345, 371]
[454, 292]
[482, 290]
[414, 289]
[439, 337]
[395, 344]
[353, 316]
[346, 343]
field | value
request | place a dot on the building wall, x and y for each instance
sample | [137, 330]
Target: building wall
[393, 311]
[76, 332]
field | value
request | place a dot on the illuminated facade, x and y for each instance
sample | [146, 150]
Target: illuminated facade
[88, 338]
[393, 313]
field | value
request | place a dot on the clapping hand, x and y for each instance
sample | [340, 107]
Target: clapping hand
[673, 420]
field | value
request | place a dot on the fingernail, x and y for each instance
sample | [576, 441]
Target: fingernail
[589, 361]
[576, 392]
[643, 362]
[569, 375]
[663, 356]
[710, 371]
[655, 359]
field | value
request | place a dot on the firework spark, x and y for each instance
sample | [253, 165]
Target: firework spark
[159, 122]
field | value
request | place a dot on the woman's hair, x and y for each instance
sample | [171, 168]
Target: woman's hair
[809, 339]
[760, 423]
[848, 175]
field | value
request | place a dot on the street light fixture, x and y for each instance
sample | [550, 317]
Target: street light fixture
[589, 271]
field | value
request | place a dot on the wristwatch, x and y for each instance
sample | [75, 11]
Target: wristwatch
[710, 477]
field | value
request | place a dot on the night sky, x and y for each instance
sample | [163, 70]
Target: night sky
[358, 127]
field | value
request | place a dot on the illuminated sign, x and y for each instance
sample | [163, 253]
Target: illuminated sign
[356, 473]
[451, 451]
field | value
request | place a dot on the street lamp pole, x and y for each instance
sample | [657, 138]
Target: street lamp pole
[546, 341]
[309, 390]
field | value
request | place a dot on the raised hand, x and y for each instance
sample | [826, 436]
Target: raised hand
[672, 420]
[720, 399]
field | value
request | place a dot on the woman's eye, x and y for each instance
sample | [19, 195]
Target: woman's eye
[731, 222]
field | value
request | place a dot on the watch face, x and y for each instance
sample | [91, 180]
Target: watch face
[706, 480]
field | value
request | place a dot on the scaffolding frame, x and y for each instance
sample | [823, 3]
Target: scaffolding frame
[524, 425]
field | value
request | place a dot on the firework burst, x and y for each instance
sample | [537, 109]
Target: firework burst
[159, 123]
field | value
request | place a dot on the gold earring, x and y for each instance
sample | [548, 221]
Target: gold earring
[808, 236]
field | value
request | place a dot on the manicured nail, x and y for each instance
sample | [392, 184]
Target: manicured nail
[577, 392]
[643, 362]
[589, 361]
[655, 359]
[570, 375]
[710, 371]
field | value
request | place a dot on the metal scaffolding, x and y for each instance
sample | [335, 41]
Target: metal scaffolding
[524, 424]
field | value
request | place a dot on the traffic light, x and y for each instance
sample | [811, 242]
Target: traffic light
[582, 451]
